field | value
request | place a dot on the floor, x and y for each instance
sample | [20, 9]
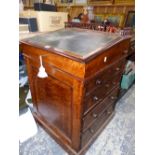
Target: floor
[118, 138]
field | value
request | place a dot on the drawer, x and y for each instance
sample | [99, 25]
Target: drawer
[117, 67]
[97, 111]
[102, 61]
[50, 70]
[99, 94]
[104, 76]
[87, 135]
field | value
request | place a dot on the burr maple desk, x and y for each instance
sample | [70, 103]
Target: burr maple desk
[77, 99]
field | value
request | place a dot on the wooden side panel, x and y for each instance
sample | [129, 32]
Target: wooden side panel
[58, 103]
[54, 101]
[78, 95]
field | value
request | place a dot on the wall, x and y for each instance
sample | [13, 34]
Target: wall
[75, 10]
[100, 7]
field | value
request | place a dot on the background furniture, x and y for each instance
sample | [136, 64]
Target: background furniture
[130, 57]
[115, 19]
[44, 7]
[100, 7]
[24, 28]
[77, 99]
[130, 20]
[46, 20]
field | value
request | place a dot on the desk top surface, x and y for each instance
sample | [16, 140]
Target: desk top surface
[79, 43]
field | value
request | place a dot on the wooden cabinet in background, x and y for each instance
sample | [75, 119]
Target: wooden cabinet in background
[77, 99]
[29, 3]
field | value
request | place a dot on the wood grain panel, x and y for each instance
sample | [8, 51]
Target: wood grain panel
[86, 137]
[91, 117]
[58, 99]
[116, 52]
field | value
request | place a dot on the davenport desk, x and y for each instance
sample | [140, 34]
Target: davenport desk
[77, 99]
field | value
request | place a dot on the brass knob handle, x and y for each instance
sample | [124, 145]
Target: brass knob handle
[113, 98]
[94, 115]
[117, 69]
[95, 98]
[91, 130]
[107, 85]
[108, 112]
[113, 82]
[98, 82]
[105, 59]
[125, 51]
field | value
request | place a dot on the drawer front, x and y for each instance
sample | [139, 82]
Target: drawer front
[99, 94]
[52, 71]
[98, 110]
[102, 78]
[113, 54]
[86, 136]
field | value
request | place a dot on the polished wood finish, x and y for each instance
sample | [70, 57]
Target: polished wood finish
[102, 77]
[77, 99]
[97, 110]
[96, 125]
[98, 95]
[131, 54]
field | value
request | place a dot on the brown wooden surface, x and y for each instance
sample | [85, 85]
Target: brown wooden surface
[98, 95]
[97, 110]
[113, 54]
[103, 76]
[68, 48]
[63, 102]
[96, 125]
[62, 63]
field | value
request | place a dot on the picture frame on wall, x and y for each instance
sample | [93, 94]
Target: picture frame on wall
[130, 20]
[26, 3]
[101, 1]
[129, 2]
[66, 1]
[80, 1]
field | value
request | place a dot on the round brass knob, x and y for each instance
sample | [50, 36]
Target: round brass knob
[98, 82]
[94, 115]
[108, 112]
[95, 98]
[91, 130]
[117, 69]
[107, 85]
[132, 48]
[113, 82]
[113, 98]
[125, 51]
